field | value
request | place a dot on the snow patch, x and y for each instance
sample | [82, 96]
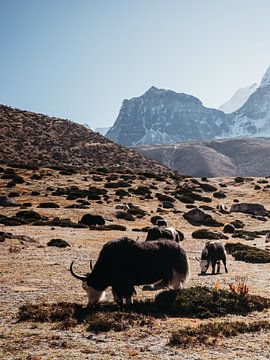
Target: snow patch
[238, 99]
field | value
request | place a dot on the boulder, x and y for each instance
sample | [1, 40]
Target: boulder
[6, 201]
[5, 235]
[28, 214]
[238, 224]
[208, 234]
[249, 208]
[198, 217]
[48, 205]
[89, 219]
[229, 229]
[58, 243]
[124, 215]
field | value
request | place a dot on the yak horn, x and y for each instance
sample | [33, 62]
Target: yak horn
[77, 276]
[197, 259]
[91, 264]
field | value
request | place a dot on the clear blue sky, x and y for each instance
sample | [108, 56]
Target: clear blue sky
[79, 59]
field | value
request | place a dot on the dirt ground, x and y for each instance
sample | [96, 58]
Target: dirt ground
[32, 272]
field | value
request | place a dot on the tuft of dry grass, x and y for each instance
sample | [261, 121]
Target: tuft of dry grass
[210, 332]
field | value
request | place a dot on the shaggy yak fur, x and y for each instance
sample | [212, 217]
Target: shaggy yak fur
[124, 263]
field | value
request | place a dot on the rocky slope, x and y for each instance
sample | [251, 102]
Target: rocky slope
[232, 157]
[31, 138]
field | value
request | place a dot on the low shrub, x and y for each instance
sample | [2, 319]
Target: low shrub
[204, 302]
[209, 332]
[247, 253]
[195, 302]
[99, 318]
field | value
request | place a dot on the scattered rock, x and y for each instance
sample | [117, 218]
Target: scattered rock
[229, 229]
[199, 217]
[48, 205]
[5, 201]
[136, 211]
[121, 193]
[5, 235]
[28, 214]
[58, 243]
[239, 179]
[238, 224]
[249, 208]
[13, 194]
[124, 215]
[219, 195]
[89, 219]
[208, 234]
[208, 187]
[116, 227]
[163, 198]
[140, 190]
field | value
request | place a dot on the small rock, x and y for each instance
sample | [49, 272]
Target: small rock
[58, 243]
[229, 229]
[89, 219]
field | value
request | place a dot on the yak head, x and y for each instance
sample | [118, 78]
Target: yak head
[204, 264]
[94, 295]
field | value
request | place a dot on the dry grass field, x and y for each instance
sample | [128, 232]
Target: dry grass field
[34, 273]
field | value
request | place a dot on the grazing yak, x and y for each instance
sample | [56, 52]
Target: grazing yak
[212, 252]
[124, 263]
[162, 232]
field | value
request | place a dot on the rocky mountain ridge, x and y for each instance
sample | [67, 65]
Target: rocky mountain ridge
[32, 138]
[165, 117]
[154, 118]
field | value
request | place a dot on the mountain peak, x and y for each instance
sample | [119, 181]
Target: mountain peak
[266, 78]
[238, 99]
[154, 91]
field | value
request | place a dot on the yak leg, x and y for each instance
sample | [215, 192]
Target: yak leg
[129, 300]
[123, 289]
[117, 298]
[224, 263]
[213, 267]
[218, 267]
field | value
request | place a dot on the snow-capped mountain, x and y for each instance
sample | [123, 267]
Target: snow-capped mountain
[238, 99]
[165, 117]
[253, 118]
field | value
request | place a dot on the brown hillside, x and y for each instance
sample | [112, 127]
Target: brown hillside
[32, 138]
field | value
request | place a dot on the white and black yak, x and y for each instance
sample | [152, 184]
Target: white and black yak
[212, 253]
[124, 263]
[161, 232]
